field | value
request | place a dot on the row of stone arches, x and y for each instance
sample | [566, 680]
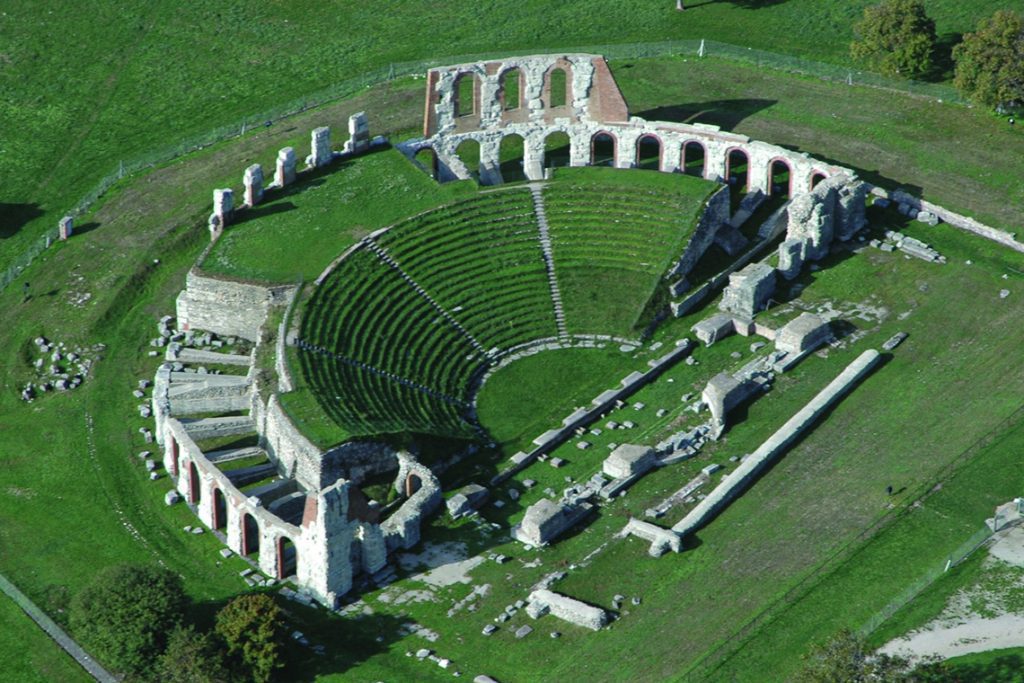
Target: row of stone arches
[556, 91]
[250, 534]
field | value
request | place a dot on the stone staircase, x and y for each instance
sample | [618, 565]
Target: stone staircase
[549, 261]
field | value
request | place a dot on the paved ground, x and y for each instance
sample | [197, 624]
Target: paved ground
[56, 632]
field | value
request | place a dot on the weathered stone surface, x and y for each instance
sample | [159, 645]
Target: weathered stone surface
[253, 182]
[544, 601]
[629, 459]
[791, 257]
[65, 227]
[545, 520]
[749, 290]
[467, 500]
[803, 334]
[358, 134]
[714, 328]
[284, 173]
[723, 393]
[320, 141]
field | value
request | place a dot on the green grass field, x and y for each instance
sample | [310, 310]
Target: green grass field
[29, 654]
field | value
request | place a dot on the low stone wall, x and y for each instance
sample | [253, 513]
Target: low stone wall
[544, 601]
[227, 307]
[714, 216]
[956, 220]
[402, 528]
[778, 442]
[662, 540]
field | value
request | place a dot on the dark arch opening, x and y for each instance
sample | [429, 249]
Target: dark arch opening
[287, 558]
[465, 94]
[469, 152]
[648, 153]
[602, 150]
[510, 155]
[557, 150]
[175, 465]
[193, 483]
[558, 88]
[412, 484]
[427, 158]
[510, 89]
[816, 178]
[736, 170]
[220, 509]
[693, 158]
[250, 535]
[780, 179]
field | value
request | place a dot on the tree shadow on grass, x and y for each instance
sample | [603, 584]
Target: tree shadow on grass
[943, 64]
[14, 216]
[724, 113]
[257, 212]
[873, 176]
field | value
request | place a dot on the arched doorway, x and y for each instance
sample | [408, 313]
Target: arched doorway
[557, 148]
[816, 178]
[250, 535]
[412, 484]
[427, 158]
[648, 153]
[736, 169]
[193, 483]
[694, 155]
[469, 152]
[510, 155]
[465, 94]
[602, 149]
[287, 558]
[510, 89]
[558, 88]
[780, 179]
[220, 509]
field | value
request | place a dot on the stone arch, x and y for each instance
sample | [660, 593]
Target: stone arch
[599, 155]
[465, 95]
[737, 168]
[427, 158]
[557, 149]
[287, 557]
[250, 535]
[644, 147]
[412, 484]
[816, 177]
[193, 483]
[511, 151]
[219, 516]
[693, 160]
[511, 84]
[469, 152]
[780, 173]
[557, 85]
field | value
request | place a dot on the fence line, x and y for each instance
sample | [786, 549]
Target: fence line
[349, 87]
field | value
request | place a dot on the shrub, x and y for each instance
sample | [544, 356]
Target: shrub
[253, 629]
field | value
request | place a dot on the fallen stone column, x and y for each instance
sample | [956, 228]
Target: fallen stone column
[778, 442]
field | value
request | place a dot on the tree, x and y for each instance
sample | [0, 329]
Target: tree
[990, 62]
[846, 659]
[192, 657]
[896, 37]
[123, 617]
[253, 628]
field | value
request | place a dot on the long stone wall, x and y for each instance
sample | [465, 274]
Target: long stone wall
[227, 307]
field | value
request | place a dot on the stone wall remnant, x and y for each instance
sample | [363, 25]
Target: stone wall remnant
[628, 460]
[358, 134]
[253, 182]
[65, 227]
[223, 211]
[802, 334]
[544, 601]
[284, 174]
[320, 142]
[545, 520]
[749, 290]
[722, 393]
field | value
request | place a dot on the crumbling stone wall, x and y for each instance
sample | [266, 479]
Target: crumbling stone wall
[227, 307]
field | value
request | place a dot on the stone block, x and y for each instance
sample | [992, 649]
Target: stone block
[320, 142]
[628, 460]
[65, 227]
[253, 182]
[749, 290]
[803, 334]
[284, 173]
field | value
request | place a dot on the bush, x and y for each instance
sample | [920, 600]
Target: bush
[990, 62]
[897, 38]
[253, 629]
[192, 657]
[123, 617]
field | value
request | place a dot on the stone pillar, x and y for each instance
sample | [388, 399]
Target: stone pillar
[326, 542]
[320, 141]
[284, 174]
[579, 148]
[253, 181]
[759, 175]
[791, 258]
[671, 154]
[66, 227]
[714, 161]
[490, 161]
[358, 134]
[533, 156]
[852, 207]
[223, 209]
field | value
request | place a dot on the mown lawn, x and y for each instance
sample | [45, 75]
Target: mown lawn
[29, 655]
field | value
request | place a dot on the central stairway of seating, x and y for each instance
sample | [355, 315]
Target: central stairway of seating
[397, 336]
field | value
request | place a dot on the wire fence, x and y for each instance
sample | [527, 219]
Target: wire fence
[351, 86]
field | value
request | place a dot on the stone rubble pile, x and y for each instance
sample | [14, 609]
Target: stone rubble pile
[59, 367]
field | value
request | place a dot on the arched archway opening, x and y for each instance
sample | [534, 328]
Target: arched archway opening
[412, 484]
[693, 159]
[250, 535]
[465, 94]
[780, 178]
[469, 152]
[648, 153]
[816, 178]
[220, 509]
[557, 148]
[193, 483]
[602, 149]
[558, 88]
[736, 169]
[510, 155]
[427, 158]
[511, 88]
[287, 558]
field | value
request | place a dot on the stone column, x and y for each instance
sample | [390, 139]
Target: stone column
[66, 227]
[223, 209]
[253, 181]
[671, 154]
[759, 174]
[533, 155]
[714, 161]
[320, 141]
[285, 172]
[490, 161]
[579, 147]
[358, 134]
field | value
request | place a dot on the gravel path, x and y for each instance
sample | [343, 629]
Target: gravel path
[974, 635]
[56, 632]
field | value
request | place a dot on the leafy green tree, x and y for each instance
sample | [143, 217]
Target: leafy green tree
[192, 657]
[990, 62]
[846, 659]
[896, 37]
[123, 617]
[253, 628]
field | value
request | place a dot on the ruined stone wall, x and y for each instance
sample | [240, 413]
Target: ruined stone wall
[714, 216]
[402, 528]
[227, 307]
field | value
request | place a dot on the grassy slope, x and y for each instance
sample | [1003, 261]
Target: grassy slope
[145, 77]
[29, 655]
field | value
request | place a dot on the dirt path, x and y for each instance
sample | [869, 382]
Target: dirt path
[974, 635]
